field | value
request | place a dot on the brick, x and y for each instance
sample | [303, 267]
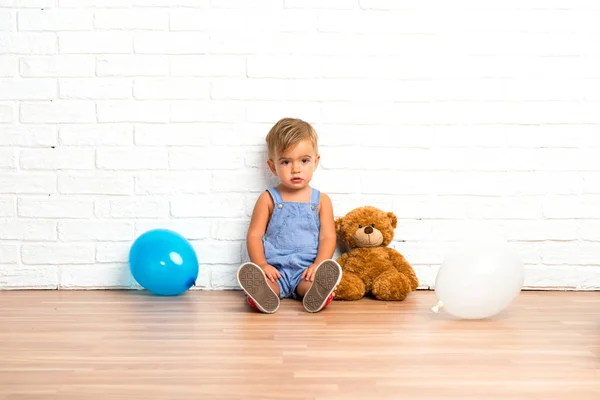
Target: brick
[544, 183]
[590, 183]
[95, 42]
[588, 277]
[174, 134]
[190, 228]
[241, 4]
[571, 207]
[283, 67]
[107, 252]
[236, 181]
[10, 66]
[59, 158]
[8, 160]
[132, 65]
[551, 277]
[28, 136]
[57, 66]
[208, 65]
[173, 182]
[229, 229]
[206, 111]
[9, 253]
[53, 207]
[30, 183]
[226, 205]
[27, 3]
[590, 230]
[72, 231]
[541, 230]
[7, 207]
[7, 113]
[223, 276]
[132, 158]
[218, 251]
[28, 43]
[325, 4]
[96, 134]
[190, 158]
[143, 207]
[96, 183]
[152, 19]
[97, 276]
[172, 88]
[97, 88]
[7, 20]
[27, 277]
[55, 19]
[570, 254]
[133, 111]
[227, 43]
[12, 229]
[170, 43]
[69, 111]
[332, 182]
[57, 253]
[271, 112]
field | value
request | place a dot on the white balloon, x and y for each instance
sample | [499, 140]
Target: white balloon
[479, 280]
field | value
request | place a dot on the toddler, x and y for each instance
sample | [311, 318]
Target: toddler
[291, 237]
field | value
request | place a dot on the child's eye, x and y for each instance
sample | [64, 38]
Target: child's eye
[285, 162]
[304, 161]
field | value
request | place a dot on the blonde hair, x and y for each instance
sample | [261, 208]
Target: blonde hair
[288, 132]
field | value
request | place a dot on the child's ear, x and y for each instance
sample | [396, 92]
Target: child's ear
[338, 226]
[271, 165]
[317, 159]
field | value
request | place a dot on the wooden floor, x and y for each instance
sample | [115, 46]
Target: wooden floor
[211, 345]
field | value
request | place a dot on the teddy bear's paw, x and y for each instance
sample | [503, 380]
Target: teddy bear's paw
[391, 287]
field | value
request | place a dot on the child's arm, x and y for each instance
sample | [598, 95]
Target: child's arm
[327, 236]
[258, 225]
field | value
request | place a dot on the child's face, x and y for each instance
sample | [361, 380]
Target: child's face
[295, 166]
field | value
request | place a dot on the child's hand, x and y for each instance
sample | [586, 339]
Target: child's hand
[309, 273]
[271, 272]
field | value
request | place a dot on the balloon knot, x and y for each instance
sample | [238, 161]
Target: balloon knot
[437, 307]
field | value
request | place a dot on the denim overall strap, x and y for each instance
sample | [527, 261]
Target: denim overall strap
[315, 196]
[275, 195]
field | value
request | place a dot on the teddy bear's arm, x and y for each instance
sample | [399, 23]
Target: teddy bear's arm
[403, 267]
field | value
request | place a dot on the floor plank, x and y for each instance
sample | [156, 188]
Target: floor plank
[128, 344]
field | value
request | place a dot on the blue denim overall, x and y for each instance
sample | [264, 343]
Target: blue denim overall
[292, 239]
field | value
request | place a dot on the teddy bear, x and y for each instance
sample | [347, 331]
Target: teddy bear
[369, 266]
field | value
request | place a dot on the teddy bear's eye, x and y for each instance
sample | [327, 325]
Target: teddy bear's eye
[373, 225]
[359, 226]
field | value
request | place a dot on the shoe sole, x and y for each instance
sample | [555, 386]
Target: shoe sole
[327, 277]
[253, 281]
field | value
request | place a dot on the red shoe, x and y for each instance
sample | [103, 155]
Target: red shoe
[327, 276]
[254, 282]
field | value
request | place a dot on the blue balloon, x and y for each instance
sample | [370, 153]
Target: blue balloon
[163, 262]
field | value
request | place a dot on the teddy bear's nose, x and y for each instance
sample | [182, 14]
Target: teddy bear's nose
[368, 230]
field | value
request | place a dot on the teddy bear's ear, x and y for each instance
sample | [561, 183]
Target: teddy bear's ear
[393, 219]
[338, 226]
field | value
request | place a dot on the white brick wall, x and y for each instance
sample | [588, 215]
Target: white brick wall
[464, 118]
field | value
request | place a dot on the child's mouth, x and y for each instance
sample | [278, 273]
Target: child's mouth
[296, 180]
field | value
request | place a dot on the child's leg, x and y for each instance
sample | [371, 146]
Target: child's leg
[262, 293]
[319, 293]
